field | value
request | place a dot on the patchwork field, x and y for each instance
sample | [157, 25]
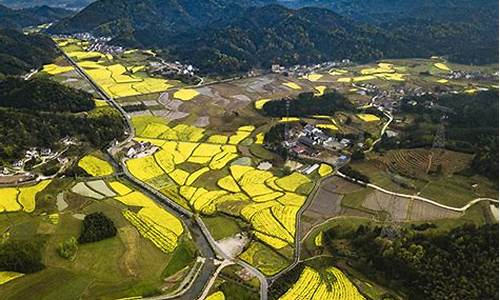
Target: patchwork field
[115, 75]
[331, 283]
[130, 264]
[212, 184]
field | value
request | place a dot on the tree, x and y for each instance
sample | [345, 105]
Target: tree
[96, 227]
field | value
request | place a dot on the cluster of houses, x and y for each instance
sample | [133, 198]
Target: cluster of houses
[310, 141]
[173, 68]
[32, 153]
[99, 44]
[476, 75]
[301, 70]
[141, 149]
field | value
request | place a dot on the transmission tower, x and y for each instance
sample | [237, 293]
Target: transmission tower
[287, 113]
[391, 229]
[439, 143]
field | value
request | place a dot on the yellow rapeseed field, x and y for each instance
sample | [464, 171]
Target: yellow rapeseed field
[8, 200]
[229, 184]
[95, 166]
[292, 181]
[289, 119]
[276, 243]
[53, 69]
[186, 94]
[442, 67]
[260, 103]
[320, 90]
[144, 168]
[327, 126]
[325, 170]
[368, 117]
[8, 276]
[313, 77]
[311, 285]
[217, 139]
[292, 85]
[27, 195]
[119, 188]
[216, 296]
[344, 79]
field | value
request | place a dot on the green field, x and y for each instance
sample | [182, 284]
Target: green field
[122, 266]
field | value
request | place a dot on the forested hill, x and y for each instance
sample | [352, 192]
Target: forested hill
[389, 10]
[222, 36]
[19, 53]
[119, 17]
[19, 18]
[38, 113]
[43, 95]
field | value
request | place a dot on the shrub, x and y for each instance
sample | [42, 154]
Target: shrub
[67, 249]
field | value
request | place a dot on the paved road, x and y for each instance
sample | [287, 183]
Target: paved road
[200, 233]
[457, 209]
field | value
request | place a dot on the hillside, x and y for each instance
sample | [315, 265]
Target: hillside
[220, 36]
[38, 113]
[384, 10]
[115, 17]
[273, 34]
[67, 4]
[19, 18]
[20, 53]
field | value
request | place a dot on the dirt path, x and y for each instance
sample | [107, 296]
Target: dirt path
[130, 239]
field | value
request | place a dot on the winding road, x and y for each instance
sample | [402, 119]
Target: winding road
[201, 235]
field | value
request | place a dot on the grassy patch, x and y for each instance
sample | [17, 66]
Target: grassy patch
[182, 256]
[222, 227]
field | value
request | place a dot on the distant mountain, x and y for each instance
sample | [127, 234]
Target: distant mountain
[67, 4]
[114, 17]
[20, 53]
[387, 10]
[274, 34]
[234, 36]
[19, 18]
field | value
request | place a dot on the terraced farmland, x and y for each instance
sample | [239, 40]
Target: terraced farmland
[212, 184]
[420, 162]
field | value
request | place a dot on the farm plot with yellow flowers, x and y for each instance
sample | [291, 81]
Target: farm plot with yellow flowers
[21, 198]
[95, 166]
[153, 222]
[116, 79]
[269, 203]
[330, 283]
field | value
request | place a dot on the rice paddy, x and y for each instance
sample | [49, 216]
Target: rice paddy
[95, 166]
